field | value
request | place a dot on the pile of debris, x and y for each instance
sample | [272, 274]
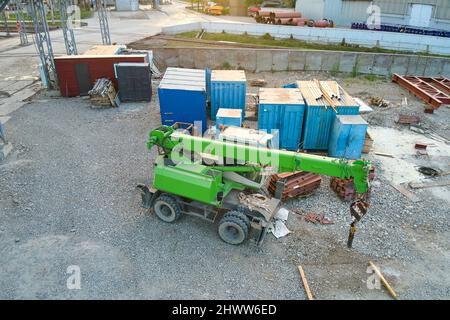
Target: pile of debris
[293, 184]
[345, 188]
[103, 94]
[378, 102]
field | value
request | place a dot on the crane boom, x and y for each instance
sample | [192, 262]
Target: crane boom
[250, 156]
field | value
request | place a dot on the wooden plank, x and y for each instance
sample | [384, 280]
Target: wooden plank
[417, 185]
[305, 283]
[411, 196]
[383, 280]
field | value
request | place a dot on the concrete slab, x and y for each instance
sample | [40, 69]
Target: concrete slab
[11, 104]
[364, 63]
[434, 67]
[347, 62]
[382, 64]
[245, 60]
[446, 70]
[420, 66]
[280, 60]
[313, 62]
[296, 60]
[412, 65]
[169, 56]
[187, 61]
[400, 64]
[330, 61]
[263, 61]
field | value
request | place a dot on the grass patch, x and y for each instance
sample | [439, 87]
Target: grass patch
[371, 77]
[268, 41]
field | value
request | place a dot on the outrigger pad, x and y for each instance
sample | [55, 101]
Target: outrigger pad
[146, 195]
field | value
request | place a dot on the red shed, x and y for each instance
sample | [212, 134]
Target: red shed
[77, 74]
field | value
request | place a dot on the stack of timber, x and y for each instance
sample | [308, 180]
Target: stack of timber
[345, 188]
[103, 94]
[293, 184]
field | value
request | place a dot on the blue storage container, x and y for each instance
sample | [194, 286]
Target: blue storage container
[228, 90]
[182, 97]
[282, 109]
[319, 116]
[208, 83]
[347, 137]
[228, 117]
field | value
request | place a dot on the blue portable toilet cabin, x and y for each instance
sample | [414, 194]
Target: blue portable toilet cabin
[347, 137]
[228, 90]
[182, 96]
[282, 109]
[319, 115]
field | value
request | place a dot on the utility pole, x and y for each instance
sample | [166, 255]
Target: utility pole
[69, 37]
[43, 42]
[103, 19]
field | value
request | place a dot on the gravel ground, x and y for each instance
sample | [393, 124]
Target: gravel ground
[68, 197]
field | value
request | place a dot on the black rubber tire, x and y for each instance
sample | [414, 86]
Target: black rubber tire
[167, 208]
[233, 229]
[240, 214]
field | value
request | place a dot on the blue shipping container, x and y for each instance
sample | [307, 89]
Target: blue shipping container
[319, 116]
[228, 90]
[208, 83]
[282, 109]
[228, 117]
[182, 97]
[347, 137]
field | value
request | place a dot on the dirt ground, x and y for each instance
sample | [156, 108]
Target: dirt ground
[68, 197]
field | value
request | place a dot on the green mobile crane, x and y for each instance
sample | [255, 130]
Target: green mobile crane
[205, 177]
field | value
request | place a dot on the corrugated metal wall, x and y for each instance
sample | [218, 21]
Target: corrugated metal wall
[344, 12]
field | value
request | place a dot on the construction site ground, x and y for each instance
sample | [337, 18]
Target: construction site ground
[68, 197]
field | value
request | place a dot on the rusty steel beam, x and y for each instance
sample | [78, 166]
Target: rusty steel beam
[442, 84]
[422, 89]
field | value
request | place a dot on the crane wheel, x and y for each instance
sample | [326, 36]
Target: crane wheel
[167, 208]
[233, 227]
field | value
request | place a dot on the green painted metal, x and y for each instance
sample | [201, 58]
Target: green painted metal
[203, 183]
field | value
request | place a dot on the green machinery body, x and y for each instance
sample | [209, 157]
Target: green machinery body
[175, 171]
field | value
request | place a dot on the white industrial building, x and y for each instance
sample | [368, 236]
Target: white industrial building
[419, 13]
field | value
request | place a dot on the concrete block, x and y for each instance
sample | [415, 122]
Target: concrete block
[313, 61]
[296, 60]
[204, 58]
[263, 60]
[420, 66]
[400, 65]
[364, 63]
[382, 64]
[446, 69]
[185, 58]
[330, 61]
[280, 60]
[5, 150]
[434, 67]
[245, 59]
[168, 56]
[347, 61]
[412, 65]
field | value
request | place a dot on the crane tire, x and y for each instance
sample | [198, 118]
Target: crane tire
[233, 229]
[167, 208]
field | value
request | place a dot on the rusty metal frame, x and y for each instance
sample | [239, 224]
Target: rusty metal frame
[434, 91]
